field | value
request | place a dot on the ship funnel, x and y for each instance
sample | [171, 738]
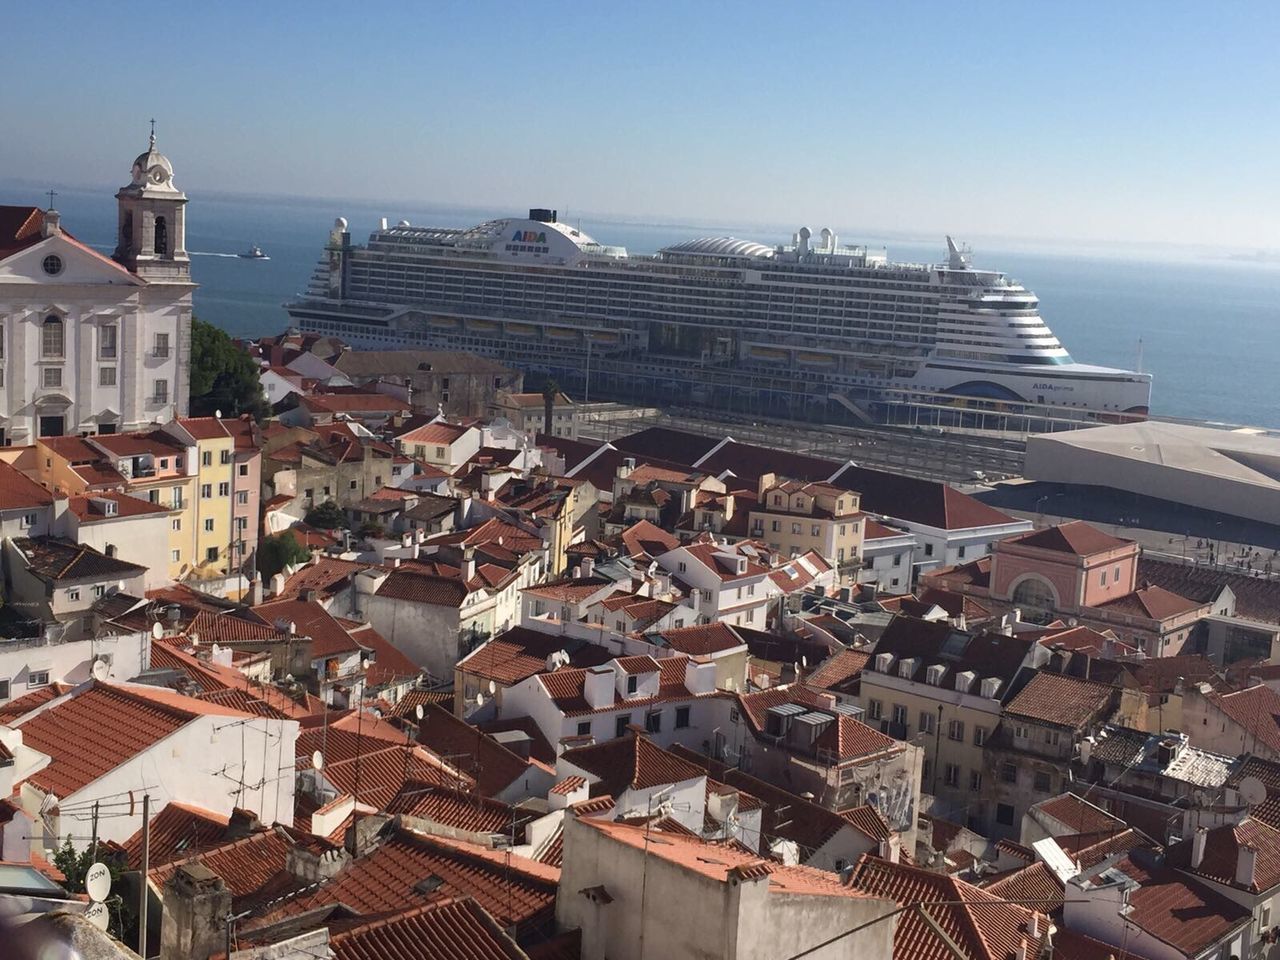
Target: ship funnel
[802, 247]
[827, 238]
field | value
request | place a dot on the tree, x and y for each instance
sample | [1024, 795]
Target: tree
[223, 377]
[550, 390]
[282, 550]
[327, 516]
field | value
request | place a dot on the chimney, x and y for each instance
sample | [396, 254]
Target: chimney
[468, 564]
[196, 905]
[309, 865]
[699, 677]
[1198, 842]
[52, 225]
[310, 596]
[587, 566]
[598, 687]
[242, 823]
[1022, 949]
[1246, 865]
[1033, 925]
[626, 467]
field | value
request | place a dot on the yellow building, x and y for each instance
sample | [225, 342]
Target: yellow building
[794, 518]
[211, 499]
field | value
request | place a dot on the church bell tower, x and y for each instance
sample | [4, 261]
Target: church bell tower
[151, 241]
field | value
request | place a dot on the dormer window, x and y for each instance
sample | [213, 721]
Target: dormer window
[990, 687]
[884, 662]
[907, 667]
[935, 674]
[964, 681]
[633, 684]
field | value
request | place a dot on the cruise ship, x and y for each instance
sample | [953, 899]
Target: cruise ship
[811, 330]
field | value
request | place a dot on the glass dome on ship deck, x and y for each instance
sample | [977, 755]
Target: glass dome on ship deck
[721, 247]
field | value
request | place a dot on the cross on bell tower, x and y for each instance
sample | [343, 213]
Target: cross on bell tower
[152, 220]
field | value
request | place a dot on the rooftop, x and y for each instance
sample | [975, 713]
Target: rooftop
[630, 763]
[1076, 537]
[56, 559]
[1062, 701]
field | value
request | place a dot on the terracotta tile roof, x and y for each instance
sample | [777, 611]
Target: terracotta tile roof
[722, 862]
[1060, 700]
[18, 492]
[980, 925]
[461, 810]
[451, 930]
[1257, 598]
[1078, 815]
[354, 403]
[1222, 850]
[178, 832]
[519, 653]
[229, 627]
[1075, 537]
[439, 433]
[87, 511]
[469, 750]
[513, 889]
[540, 748]
[1180, 912]
[638, 665]
[565, 688]
[55, 559]
[328, 637]
[755, 706]
[630, 762]
[247, 866]
[1072, 945]
[848, 739]
[838, 670]
[702, 640]
[1154, 603]
[1256, 709]
[139, 443]
[1086, 640]
[101, 726]
[1036, 884]
[225, 686]
[205, 428]
[406, 583]
[644, 539]
[568, 785]
[407, 705]
[569, 589]
[327, 576]
[20, 227]
[706, 554]
[868, 819]
[13, 709]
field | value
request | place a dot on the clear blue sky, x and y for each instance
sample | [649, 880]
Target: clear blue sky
[1139, 121]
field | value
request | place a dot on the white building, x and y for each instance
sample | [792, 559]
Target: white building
[92, 344]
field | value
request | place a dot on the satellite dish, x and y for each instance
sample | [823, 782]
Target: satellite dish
[317, 761]
[1253, 791]
[419, 712]
[217, 414]
[479, 699]
[157, 631]
[493, 688]
[804, 662]
[97, 882]
[796, 666]
[100, 670]
[98, 915]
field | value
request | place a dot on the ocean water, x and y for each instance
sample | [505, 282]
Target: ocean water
[1209, 325]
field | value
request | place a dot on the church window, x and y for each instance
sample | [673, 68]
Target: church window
[52, 377]
[106, 376]
[162, 345]
[52, 337]
[162, 237]
[107, 342]
[52, 264]
[162, 391]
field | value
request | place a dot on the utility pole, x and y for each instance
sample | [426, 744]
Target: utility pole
[146, 864]
[93, 842]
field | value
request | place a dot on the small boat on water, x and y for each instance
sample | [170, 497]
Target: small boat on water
[253, 253]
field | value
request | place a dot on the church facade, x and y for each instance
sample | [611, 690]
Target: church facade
[91, 344]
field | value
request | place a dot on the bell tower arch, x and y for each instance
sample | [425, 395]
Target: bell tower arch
[151, 238]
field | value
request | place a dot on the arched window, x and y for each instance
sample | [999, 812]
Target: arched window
[1034, 595]
[162, 237]
[52, 338]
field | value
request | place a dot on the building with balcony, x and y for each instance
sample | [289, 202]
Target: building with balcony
[794, 517]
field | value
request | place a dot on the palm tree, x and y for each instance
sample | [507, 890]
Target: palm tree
[550, 390]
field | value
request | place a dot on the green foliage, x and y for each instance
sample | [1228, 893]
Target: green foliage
[282, 550]
[222, 376]
[372, 530]
[75, 867]
[327, 516]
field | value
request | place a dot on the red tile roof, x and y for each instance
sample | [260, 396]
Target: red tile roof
[702, 640]
[1255, 709]
[849, 739]
[327, 576]
[178, 832]
[354, 403]
[246, 866]
[630, 762]
[1182, 913]
[101, 726]
[1154, 603]
[450, 930]
[461, 810]
[328, 636]
[644, 539]
[1222, 850]
[638, 665]
[1071, 945]
[20, 227]
[565, 688]
[983, 927]
[439, 433]
[1036, 885]
[205, 428]
[406, 583]
[1061, 700]
[513, 889]
[1075, 537]
[1078, 814]
[838, 669]
[469, 750]
[569, 589]
[568, 785]
[17, 492]
[126, 506]
[722, 862]
[519, 653]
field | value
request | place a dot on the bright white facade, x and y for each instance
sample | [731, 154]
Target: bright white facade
[92, 344]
